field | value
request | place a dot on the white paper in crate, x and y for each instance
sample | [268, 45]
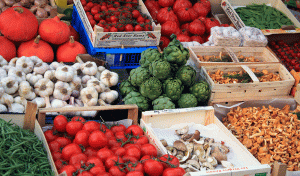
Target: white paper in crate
[253, 37]
[219, 34]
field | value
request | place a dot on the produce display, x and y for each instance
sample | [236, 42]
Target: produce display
[242, 58]
[90, 148]
[196, 153]
[22, 153]
[270, 134]
[220, 77]
[267, 76]
[263, 16]
[288, 53]
[221, 58]
[163, 81]
[30, 79]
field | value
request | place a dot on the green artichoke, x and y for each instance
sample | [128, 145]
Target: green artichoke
[174, 69]
[126, 87]
[201, 91]
[173, 88]
[148, 56]
[152, 88]
[138, 76]
[161, 69]
[175, 52]
[187, 100]
[163, 103]
[138, 99]
[187, 75]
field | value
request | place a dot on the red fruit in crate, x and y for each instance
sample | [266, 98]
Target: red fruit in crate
[83, 2]
[138, 28]
[153, 167]
[197, 38]
[224, 25]
[54, 31]
[95, 10]
[201, 9]
[89, 151]
[178, 171]
[174, 162]
[36, 47]
[197, 27]
[186, 15]
[166, 3]
[181, 4]
[7, 49]
[86, 8]
[207, 4]
[166, 14]
[129, 27]
[152, 4]
[148, 149]
[164, 42]
[183, 38]
[134, 130]
[104, 153]
[63, 141]
[93, 23]
[69, 50]
[90, 4]
[211, 22]
[169, 28]
[147, 27]
[113, 29]
[140, 19]
[70, 150]
[135, 14]
[74, 33]
[97, 139]
[185, 32]
[60, 122]
[50, 136]
[18, 24]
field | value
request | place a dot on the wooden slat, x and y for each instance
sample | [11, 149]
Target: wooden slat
[30, 116]
[279, 169]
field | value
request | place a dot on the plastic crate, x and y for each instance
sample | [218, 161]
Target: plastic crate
[130, 56]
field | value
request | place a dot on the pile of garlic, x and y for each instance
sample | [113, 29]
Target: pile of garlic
[56, 85]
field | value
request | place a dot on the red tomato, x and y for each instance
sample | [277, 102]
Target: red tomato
[135, 173]
[134, 167]
[70, 150]
[97, 139]
[86, 8]
[69, 169]
[134, 130]
[85, 173]
[54, 146]
[114, 19]
[78, 118]
[90, 4]
[112, 161]
[59, 164]
[83, 2]
[140, 19]
[135, 14]
[178, 171]
[127, 158]
[78, 158]
[113, 29]
[104, 174]
[174, 162]
[94, 10]
[56, 155]
[104, 153]
[148, 149]
[120, 151]
[63, 141]
[129, 27]
[50, 136]
[78, 166]
[138, 28]
[109, 133]
[60, 123]
[98, 170]
[91, 126]
[115, 171]
[89, 152]
[121, 135]
[113, 143]
[94, 160]
[93, 22]
[145, 158]
[153, 167]
[130, 145]
[142, 140]
[118, 128]
[133, 151]
[82, 137]
[147, 21]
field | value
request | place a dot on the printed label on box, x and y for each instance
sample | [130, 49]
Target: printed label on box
[232, 14]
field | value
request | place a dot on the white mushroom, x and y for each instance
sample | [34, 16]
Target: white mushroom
[33, 78]
[10, 84]
[41, 68]
[44, 87]
[25, 64]
[36, 60]
[89, 68]
[182, 131]
[76, 86]
[109, 78]
[20, 100]
[40, 102]
[26, 91]
[64, 73]
[50, 74]
[89, 96]
[62, 91]
[17, 73]
[55, 65]
[2, 61]
[98, 85]
[16, 108]
[3, 108]
[3, 73]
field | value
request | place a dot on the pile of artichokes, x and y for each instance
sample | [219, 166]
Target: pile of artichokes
[164, 81]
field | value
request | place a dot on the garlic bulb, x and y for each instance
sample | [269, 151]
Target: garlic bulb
[6, 99]
[55, 65]
[25, 64]
[102, 103]
[56, 103]
[2, 91]
[89, 68]
[26, 91]
[7, 67]
[17, 73]
[2, 61]
[85, 79]
[89, 96]
[77, 68]
[3, 73]
[50, 74]
[16, 108]
[3, 108]
[44, 87]
[64, 73]
[40, 102]
[98, 75]
[101, 69]
[13, 62]
[98, 85]
[33, 78]
[36, 60]
[76, 86]
[109, 78]
[41, 68]
[109, 96]
[9, 84]
[20, 100]
[88, 113]
[62, 91]
[71, 105]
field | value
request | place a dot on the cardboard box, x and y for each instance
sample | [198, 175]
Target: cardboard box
[228, 6]
[205, 116]
[100, 39]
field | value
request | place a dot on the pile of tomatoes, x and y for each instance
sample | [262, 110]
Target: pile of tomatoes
[289, 54]
[116, 16]
[89, 148]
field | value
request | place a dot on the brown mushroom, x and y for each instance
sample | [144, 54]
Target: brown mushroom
[179, 145]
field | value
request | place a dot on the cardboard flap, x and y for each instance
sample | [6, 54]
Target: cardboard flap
[30, 115]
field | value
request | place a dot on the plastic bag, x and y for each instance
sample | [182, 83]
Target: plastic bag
[225, 36]
[253, 37]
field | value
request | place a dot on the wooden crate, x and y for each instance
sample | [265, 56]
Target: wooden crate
[248, 91]
[205, 116]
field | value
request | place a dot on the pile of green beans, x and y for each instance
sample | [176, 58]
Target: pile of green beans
[263, 17]
[21, 152]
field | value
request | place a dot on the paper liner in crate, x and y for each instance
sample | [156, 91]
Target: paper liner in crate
[253, 37]
[225, 36]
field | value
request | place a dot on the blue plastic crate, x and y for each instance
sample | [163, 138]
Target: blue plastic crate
[130, 56]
